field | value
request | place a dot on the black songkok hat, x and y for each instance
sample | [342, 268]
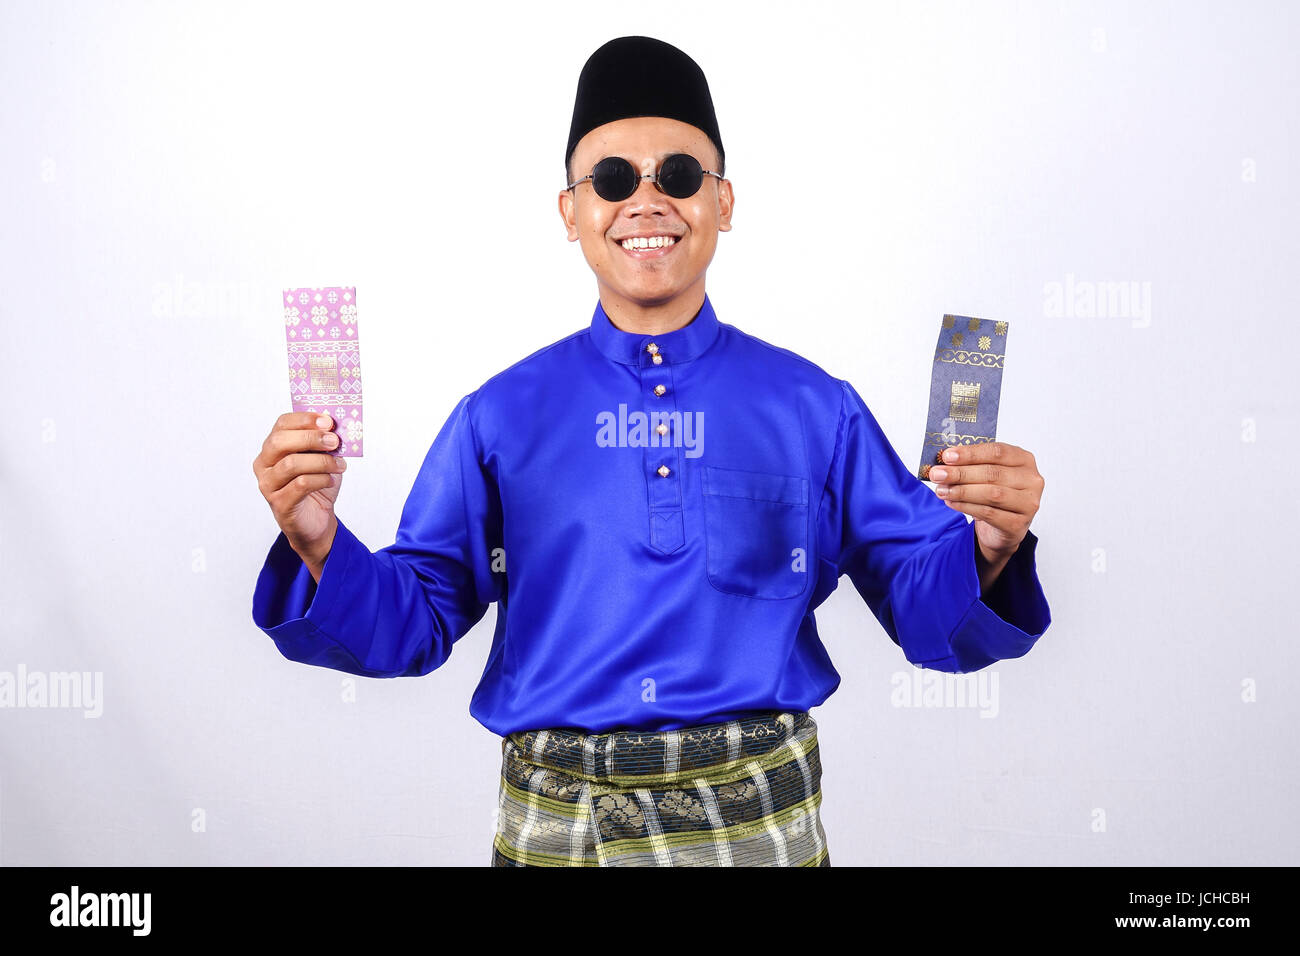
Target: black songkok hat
[641, 76]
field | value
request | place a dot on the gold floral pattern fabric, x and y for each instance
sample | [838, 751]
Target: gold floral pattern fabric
[740, 793]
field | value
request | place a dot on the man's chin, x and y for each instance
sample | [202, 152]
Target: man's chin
[648, 295]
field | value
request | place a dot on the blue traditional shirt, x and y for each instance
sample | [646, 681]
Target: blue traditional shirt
[656, 517]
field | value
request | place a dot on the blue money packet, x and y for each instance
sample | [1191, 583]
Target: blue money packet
[964, 387]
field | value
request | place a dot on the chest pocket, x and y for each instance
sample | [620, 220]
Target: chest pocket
[756, 532]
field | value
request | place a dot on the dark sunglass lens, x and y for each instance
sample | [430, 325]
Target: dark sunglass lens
[681, 176]
[614, 179]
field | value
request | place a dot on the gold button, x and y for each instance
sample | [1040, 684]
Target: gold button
[662, 429]
[658, 359]
[663, 471]
[660, 389]
[652, 349]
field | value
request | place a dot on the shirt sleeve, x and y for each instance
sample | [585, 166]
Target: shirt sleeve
[397, 611]
[912, 558]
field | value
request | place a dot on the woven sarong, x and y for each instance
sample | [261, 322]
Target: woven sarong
[742, 793]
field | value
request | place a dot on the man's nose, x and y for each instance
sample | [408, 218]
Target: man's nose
[646, 189]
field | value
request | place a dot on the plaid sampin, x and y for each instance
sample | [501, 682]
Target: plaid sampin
[741, 793]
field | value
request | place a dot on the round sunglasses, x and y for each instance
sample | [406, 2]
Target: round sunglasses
[614, 178]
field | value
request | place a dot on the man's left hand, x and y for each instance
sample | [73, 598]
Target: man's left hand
[996, 482]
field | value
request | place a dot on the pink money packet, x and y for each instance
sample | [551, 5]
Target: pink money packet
[320, 331]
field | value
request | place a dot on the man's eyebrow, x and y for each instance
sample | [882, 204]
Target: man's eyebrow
[659, 157]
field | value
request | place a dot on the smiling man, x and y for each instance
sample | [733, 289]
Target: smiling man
[655, 656]
[649, 250]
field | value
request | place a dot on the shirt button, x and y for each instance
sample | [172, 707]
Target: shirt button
[660, 389]
[663, 471]
[662, 428]
[652, 349]
[658, 360]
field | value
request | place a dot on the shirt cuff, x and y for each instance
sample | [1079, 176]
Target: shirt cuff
[1006, 622]
[292, 607]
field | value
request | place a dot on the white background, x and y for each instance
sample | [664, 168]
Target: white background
[166, 169]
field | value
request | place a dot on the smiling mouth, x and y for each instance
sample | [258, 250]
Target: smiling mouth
[649, 246]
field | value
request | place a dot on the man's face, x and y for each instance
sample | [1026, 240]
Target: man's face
[654, 277]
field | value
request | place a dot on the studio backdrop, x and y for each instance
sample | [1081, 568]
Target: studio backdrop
[1115, 181]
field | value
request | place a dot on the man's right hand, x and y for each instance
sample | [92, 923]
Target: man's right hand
[300, 481]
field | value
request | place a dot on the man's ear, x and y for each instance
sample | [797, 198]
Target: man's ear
[567, 213]
[726, 202]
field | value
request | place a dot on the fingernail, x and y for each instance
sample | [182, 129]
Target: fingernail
[938, 474]
[941, 491]
[950, 455]
[323, 422]
[329, 439]
[343, 464]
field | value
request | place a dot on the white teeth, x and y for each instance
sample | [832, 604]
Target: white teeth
[653, 242]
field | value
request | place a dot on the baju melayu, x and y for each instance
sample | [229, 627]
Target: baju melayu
[656, 517]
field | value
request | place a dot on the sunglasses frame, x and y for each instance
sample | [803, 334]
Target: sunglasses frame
[654, 177]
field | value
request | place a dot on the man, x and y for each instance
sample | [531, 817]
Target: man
[657, 503]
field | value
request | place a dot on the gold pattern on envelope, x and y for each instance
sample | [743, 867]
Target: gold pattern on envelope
[956, 340]
[963, 405]
[987, 359]
[948, 321]
[324, 373]
[985, 342]
[1000, 328]
[948, 439]
[973, 325]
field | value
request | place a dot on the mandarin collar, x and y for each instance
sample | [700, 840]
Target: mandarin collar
[679, 345]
